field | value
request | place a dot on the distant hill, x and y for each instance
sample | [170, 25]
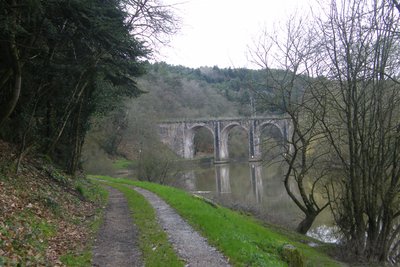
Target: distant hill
[177, 91]
[174, 92]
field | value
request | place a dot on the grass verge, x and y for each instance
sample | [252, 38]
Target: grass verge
[243, 239]
[96, 194]
[153, 241]
[121, 163]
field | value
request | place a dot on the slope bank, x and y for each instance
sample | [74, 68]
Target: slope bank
[46, 217]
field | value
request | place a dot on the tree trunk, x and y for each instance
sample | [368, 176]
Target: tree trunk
[8, 108]
[77, 140]
[15, 65]
[306, 223]
[67, 113]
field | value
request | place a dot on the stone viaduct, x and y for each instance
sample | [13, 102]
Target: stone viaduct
[179, 134]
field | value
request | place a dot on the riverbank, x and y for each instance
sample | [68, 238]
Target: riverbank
[48, 218]
[244, 240]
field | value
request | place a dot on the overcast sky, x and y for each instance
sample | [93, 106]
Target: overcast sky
[219, 32]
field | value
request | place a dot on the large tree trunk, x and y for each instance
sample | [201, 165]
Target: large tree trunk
[306, 223]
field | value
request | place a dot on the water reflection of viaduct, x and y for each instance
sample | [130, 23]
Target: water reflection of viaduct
[179, 134]
[223, 183]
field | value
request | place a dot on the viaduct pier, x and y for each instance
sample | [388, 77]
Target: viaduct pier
[179, 134]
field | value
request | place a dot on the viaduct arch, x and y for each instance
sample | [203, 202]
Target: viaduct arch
[179, 134]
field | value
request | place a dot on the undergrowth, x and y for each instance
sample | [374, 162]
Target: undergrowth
[44, 213]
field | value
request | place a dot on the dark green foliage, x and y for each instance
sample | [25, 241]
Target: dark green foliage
[75, 59]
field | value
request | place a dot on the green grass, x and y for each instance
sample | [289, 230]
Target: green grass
[153, 241]
[243, 239]
[27, 235]
[122, 164]
[95, 193]
[77, 260]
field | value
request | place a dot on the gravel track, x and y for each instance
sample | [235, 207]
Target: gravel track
[188, 244]
[116, 243]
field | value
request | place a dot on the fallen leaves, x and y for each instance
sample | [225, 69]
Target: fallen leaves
[40, 218]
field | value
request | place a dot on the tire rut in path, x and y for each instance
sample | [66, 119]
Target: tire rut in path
[188, 244]
[116, 243]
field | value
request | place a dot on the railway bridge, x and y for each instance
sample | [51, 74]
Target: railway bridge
[179, 134]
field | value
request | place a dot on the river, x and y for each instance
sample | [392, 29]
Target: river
[254, 187]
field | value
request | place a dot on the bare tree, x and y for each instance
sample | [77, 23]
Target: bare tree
[291, 91]
[360, 51]
[348, 100]
[151, 21]
[397, 5]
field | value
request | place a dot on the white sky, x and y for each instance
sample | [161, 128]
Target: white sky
[218, 32]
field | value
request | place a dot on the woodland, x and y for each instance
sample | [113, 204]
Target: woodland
[77, 79]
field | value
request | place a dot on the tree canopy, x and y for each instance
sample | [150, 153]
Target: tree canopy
[63, 61]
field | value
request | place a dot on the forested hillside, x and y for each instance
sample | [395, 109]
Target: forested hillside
[206, 91]
[177, 92]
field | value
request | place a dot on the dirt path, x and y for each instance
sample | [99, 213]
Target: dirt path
[116, 243]
[189, 245]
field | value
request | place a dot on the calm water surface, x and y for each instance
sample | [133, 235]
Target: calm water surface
[255, 187]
